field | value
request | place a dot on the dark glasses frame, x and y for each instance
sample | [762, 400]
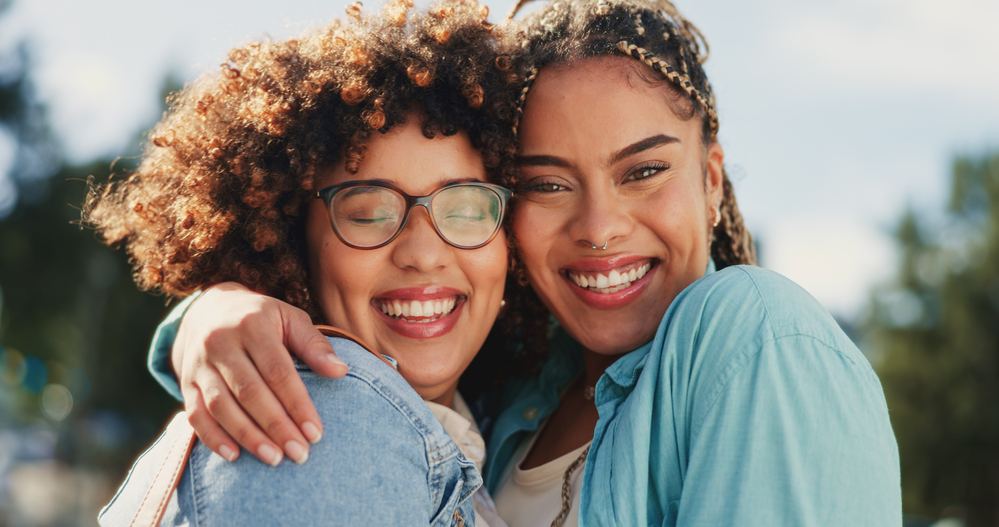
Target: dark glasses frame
[328, 193]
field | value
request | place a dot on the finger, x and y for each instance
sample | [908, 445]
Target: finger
[208, 430]
[305, 341]
[278, 370]
[258, 403]
[222, 406]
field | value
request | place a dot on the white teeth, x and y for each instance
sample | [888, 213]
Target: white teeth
[432, 309]
[613, 281]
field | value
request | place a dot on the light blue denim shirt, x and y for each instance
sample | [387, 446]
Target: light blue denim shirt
[384, 459]
[750, 407]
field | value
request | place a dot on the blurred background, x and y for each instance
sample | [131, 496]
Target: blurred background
[863, 138]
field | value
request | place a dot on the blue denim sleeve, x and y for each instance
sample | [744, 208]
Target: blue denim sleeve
[159, 350]
[792, 428]
[384, 459]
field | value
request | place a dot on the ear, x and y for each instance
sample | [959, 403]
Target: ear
[714, 175]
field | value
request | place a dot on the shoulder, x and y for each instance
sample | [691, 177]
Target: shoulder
[758, 305]
[744, 327]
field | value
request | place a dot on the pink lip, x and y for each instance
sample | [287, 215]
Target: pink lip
[610, 300]
[415, 330]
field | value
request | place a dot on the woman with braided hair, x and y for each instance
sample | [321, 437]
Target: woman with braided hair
[683, 386]
[300, 170]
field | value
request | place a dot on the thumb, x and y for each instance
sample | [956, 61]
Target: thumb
[307, 343]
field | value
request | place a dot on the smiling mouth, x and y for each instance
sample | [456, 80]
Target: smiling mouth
[418, 311]
[613, 281]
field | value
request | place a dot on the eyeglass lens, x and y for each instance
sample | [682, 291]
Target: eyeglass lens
[367, 216]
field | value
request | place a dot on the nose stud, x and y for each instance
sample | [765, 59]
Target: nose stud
[604, 248]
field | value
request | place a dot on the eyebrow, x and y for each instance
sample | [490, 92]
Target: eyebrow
[628, 151]
[542, 161]
[643, 145]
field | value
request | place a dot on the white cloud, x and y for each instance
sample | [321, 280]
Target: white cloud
[887, 44]
[834, 258]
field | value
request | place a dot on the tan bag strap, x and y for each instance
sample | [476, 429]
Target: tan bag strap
[331, 331]
[165, 481]
[154, 504]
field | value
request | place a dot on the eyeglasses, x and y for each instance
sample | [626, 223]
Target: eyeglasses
[370, 214]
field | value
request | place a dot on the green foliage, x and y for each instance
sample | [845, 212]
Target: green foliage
[71, 316]
[936, 330]
[70, 302]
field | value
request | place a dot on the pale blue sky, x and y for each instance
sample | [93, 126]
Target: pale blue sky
[834, 115]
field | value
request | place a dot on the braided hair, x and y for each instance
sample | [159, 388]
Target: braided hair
[655, 34]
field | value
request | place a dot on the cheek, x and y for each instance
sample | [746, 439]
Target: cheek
[532, 233]
[329, 265]
[488, 264]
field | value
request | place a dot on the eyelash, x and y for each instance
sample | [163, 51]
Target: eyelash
[540, 186]
[656, 167]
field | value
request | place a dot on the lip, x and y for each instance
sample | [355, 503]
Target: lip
[415, 330]
[596, 265]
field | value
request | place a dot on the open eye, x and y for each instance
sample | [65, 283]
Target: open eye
[542, 186]
[646, 171]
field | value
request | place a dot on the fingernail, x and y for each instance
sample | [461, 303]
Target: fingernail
[227, 453]
[334, 359]
[311, 432]
[268, 452]
[296, 451]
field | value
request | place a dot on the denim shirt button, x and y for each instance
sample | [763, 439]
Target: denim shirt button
[530, 413]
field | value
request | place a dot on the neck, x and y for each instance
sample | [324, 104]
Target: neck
[447, 398]
[594, 365]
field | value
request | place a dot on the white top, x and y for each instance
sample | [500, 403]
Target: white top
[533, 498]
[460, 426]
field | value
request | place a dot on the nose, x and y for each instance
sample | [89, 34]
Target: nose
[602, 217]
[418, 246]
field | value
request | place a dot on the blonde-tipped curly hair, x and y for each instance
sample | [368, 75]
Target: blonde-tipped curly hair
[220, 191]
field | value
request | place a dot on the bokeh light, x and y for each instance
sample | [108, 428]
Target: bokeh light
[57, 402]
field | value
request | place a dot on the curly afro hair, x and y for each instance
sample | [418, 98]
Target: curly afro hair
[219, 193]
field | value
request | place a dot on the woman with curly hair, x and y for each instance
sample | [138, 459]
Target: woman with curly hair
[300, 171]
[683, 385]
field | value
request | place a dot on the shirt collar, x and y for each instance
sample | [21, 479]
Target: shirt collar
[625, 371]
[460, 426]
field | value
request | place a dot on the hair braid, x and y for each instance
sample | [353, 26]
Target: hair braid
[732, 244]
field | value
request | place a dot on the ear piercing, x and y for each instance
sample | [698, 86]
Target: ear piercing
[717, 217]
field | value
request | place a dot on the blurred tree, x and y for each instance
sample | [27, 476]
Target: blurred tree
[936, 331]
[72, 318]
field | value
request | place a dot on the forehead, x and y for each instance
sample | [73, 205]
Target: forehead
[599, 102]
[413, 162]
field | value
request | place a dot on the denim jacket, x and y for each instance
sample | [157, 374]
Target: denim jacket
[384, 459]
[750, 407]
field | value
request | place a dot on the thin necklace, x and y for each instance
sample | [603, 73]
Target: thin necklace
[588, 393]
[567, 488]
